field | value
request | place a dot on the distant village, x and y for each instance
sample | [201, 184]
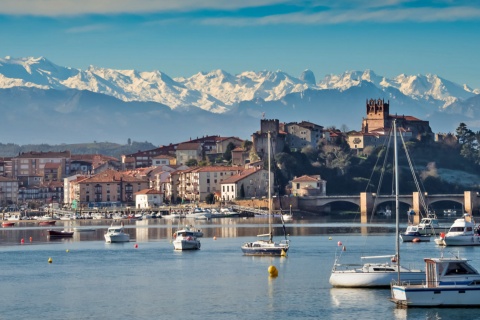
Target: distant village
[172, 174]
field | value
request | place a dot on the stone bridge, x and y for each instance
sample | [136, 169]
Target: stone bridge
[368, 202]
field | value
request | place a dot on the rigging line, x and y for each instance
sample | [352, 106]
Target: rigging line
[422, 199]
[382, 173]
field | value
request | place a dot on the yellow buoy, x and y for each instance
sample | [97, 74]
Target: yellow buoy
[67, 251]
[272, 270]
[50, 260]
[329, 238]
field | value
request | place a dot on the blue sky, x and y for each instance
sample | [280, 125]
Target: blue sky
[183, 37]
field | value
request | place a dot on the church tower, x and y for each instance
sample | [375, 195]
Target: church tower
[377, 115]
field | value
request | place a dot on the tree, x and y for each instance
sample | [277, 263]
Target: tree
[242, 191]
[247, 145]
[191, 162]
[227, 155]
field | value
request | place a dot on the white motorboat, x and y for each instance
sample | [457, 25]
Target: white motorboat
[14, 217]
[267, 247]
[448, 282]
[413, 235]
[185, 240]
[198, 213]
[67, 217]
[431, 225]
[191, 229]
[116, 234]
[376, 274]
[462, 233]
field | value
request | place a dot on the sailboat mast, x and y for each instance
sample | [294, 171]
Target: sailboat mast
[397, 209]
[269, 189]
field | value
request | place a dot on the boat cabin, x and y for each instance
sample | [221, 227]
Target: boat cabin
[442, 272]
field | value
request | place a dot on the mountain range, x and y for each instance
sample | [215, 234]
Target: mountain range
[47, 103]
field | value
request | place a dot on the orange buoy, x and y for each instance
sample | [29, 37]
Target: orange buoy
[136, 246]
[214, 238]
[22, 241]
[339, 243]
[31, 239]
[442, 235]
[416, 240]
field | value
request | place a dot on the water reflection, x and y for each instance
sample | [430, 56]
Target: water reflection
[160, 229]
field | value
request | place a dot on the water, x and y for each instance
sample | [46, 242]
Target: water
[89, 279]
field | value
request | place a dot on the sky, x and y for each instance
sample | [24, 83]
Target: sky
[184, 37]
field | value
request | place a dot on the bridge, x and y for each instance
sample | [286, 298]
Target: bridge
[368, 202]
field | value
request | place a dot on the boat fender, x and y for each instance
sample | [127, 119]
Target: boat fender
[189, 238]
[442, 235]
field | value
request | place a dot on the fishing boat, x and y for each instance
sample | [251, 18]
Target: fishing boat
[376, 274]
[449, 282]
[267, 247]
[185, 240]
[413, 235]
[116, 234]
[60, 234]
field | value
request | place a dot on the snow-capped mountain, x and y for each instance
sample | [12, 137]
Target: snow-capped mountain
[40, 88]
[216, 91]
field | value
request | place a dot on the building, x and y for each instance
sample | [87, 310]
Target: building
[163, 160]
[302, 134]
[29, 166]
[189, 151]
[148, 198]
[260, 138]
[108, 188]
[247, 184]
[378, 123]
[308, 186]
[8, 191]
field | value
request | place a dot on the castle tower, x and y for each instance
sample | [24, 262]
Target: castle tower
[377, 115]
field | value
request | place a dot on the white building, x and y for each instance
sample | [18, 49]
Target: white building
[148, 198]
[250, 183]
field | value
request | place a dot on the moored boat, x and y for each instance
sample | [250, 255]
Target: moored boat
[413, 235]
[47, 223]
[60, 234]
[8, 224]
[462, 233]
[449, 282]
[116, 234]
[185, 240]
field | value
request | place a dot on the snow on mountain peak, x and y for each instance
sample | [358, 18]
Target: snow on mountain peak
[217, 90]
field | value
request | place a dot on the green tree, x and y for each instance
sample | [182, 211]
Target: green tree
[227, 155]
[191, 162]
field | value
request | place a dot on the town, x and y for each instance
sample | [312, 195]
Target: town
[209, 169]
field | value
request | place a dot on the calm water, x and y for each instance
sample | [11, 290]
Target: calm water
[90, 279]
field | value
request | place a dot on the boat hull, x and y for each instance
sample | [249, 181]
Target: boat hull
[420, 296]
[59, 234]
[358, 279]
[265, 248]
[184, 244]
[116, 238]
[47, 223]
[415, 238]
[462, 240]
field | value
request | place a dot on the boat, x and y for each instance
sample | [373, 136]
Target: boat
[60, 234]
[191, 229]
[14, 217]
[8, 224]
[431, 225]
[267, 247]
[376, 274]
[116, 234]
[449, 282]
[288, 216]
[67, 217]
[462, 233]
[78, 229]
[185, 240]
[47, 223]
[413, 235]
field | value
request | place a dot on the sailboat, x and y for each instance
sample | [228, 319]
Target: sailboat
[377, 274]
[267, 247]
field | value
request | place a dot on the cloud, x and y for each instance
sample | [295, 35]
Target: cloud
[240, 13]
[88, 28]
[55, 8]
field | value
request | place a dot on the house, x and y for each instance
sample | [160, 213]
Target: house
[247, 184]
[308, 186]
[163, 160]
[188, 151]
[148, 198]
[240, 156]
[302, 134]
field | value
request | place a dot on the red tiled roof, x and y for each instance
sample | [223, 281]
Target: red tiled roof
[305, 178]
[112, 176]
[242, 175]
[52, 165]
